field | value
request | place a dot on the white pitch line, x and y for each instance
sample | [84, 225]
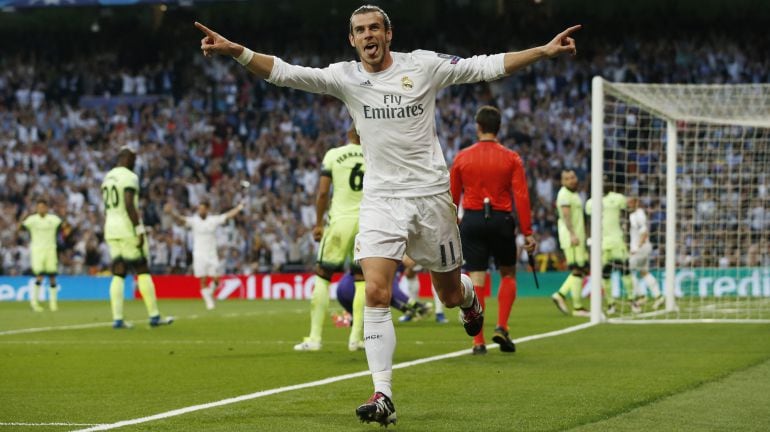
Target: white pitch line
[53, 328]
[105, 324]
[48, 424]
[311, 384]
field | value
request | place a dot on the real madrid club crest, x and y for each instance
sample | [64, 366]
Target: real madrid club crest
[406, 83]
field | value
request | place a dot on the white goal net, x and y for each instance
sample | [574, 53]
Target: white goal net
[693, 162]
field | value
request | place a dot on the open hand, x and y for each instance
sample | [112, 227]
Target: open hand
[563, 43]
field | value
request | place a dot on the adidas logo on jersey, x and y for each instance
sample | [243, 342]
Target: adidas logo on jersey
[366, 83]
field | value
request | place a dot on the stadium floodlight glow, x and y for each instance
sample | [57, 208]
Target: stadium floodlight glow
[696, 157]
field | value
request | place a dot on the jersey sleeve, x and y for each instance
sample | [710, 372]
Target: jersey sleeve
[562, 199]
[521, 195]
[326, 164]
[130, 181]
[314, 80]
[28, 223]
[220, 219]
[448, 69]
[588, 206]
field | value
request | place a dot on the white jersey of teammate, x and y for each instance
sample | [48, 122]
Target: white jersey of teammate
[393, 111]
[204, 234]
[640, 253]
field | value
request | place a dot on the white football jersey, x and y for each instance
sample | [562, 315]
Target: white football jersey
[638, 226]
[204, 233]
[394, 113]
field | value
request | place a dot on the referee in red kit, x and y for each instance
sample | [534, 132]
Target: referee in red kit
[490, 177]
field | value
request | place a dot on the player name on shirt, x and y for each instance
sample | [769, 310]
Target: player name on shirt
[345, 156]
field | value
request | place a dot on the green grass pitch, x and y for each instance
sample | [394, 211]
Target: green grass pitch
[609, 377]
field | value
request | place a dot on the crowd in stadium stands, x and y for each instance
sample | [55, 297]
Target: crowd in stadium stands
[226, 127]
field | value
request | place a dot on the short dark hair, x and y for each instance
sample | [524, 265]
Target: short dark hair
[205, 203]
[367, 9]
[42, 200]
[488, 118]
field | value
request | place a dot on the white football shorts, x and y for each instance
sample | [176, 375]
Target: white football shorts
[205, 265]
[425, 228]
[640, 260]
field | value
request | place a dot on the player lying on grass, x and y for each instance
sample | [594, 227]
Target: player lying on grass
[399, 300]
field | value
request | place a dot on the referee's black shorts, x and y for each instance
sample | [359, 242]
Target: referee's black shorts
[483, 238]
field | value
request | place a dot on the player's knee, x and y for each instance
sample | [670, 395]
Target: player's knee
[377, 292]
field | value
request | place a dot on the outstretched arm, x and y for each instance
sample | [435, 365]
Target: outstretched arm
[213, 43]
[178, 219]
[234, 211]
[561, 44]
[270, 68]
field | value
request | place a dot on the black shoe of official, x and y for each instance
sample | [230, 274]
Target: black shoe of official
[473, 317]
[479, 349]
[501, 338]
[379, 408]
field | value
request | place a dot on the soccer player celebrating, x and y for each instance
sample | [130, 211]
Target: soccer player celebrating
[343, 170]
[641, 248]
[205, 258]
[43, 229]
[126, 238]
[490, 178]
[614, 249]
[406, 206]
[572, 239]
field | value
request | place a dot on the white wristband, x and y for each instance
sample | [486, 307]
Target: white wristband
[139, 230]
[245, 56]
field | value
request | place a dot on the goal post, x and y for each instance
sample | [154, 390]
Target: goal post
[695, 161]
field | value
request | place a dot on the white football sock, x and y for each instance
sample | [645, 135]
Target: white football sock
[468, 292]
[413, 285]
[208, 296]
[380, 343]
[439, 307]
